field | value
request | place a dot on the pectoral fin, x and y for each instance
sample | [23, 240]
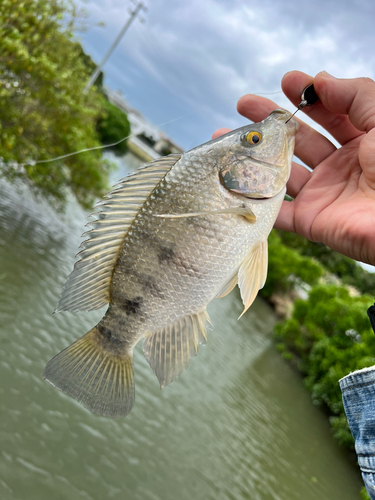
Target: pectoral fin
[228, 287]
[253, 273]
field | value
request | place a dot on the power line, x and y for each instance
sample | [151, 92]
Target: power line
[133, 14]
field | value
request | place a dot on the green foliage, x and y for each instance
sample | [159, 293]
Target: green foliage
[345, 268]
[288, 268]
[329, 335]
[112, 127]
[44, 112]
[364, 494]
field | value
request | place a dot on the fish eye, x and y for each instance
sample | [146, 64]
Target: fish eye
[254, 137]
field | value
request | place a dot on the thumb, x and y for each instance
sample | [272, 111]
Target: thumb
[219, 132]
[353, 96]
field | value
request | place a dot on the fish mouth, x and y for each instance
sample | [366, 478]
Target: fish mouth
[259, 199]
[254, 197]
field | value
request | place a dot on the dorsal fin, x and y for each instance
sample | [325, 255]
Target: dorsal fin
[87, 287]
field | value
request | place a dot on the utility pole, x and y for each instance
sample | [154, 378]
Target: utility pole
[133, 15]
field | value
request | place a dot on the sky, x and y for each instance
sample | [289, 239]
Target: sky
[191, 60]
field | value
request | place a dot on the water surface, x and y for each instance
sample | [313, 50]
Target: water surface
[238, 424]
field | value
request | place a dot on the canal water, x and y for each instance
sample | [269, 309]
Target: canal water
[238, 424]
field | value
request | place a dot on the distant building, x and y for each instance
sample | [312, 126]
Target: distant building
[147, 141]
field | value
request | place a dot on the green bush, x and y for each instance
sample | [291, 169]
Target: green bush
[328, 336]
[364, 494]
[287, 268]
[112, 127]
[44, 111]
[345, 268]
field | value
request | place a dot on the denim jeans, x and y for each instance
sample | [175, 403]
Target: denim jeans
[358, 394]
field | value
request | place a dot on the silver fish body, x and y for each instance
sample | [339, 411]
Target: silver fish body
[169, 239]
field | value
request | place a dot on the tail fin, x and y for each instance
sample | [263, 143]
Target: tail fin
[96, 373]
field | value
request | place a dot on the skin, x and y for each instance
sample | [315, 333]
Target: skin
[335, 203]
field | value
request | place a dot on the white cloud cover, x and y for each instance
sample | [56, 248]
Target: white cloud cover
[195, 59]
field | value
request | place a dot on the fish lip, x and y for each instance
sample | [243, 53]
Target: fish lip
[264, 198]
[259, 199]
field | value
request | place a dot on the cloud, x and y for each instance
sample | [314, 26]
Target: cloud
[198, 57]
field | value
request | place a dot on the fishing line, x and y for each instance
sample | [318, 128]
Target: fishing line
[86, 150]
[258, 93]
[95, 148]
[308, 98]
[103, 146]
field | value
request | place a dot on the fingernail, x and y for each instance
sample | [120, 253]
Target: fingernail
[325, 74]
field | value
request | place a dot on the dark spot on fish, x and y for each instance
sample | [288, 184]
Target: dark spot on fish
[149, 284]
[131, 306]
[166, 254]
[108, 335]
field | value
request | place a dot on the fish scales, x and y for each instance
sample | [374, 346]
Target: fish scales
[170, 264]
[186, 262]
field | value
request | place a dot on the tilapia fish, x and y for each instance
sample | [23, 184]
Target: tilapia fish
[175, 234]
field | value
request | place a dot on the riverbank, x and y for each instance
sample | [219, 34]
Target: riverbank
[325, 332]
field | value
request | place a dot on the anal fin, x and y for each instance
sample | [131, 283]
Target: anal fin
[253, 273]
[168, 351]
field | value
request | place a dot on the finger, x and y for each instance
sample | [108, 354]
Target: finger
[353, 96]
[255, 107]
[366, 157]
[311, 146]
[330, 111]
[219, 132]
[285, 219]
[298, 178]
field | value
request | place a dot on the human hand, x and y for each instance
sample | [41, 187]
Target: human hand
[335, 203]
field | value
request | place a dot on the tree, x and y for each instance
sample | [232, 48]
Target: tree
[288, 268]
[329, 336]
[348, 270]
[112, 127]
[44, 112]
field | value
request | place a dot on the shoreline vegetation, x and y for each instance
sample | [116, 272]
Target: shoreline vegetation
[322, 298]
[45, 111]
